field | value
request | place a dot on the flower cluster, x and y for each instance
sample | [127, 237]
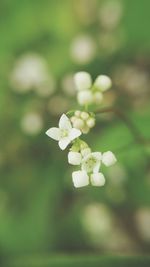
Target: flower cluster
[88, 93]
[70, 129]
[83, 121]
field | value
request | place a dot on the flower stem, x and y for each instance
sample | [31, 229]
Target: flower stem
[127, 121]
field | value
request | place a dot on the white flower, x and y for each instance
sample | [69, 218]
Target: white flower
[85, 97]
[97, 179]
[82, 80]
[103, 83]
[74, 158]
[65, 133]
[108, 158]
[80, 178]
[91, 162]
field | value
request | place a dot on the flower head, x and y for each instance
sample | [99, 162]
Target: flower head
[65, 134]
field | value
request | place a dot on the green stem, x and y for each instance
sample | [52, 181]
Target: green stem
[127, 121]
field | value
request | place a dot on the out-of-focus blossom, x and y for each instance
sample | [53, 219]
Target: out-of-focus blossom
[83, 49]
[142, 220]
[86, 10]
[132, 79]
[32, 123]
[68, 85]
[103, 229]
[110, 14]
[57, 105]
[31, 72]
[110, 43]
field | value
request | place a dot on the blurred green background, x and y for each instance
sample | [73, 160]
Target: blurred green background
[43, 43]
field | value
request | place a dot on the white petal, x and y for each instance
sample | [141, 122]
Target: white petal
[82, 80]
[80, 178]
[108, 158]
[96, 167]
[64, 142]
[97, 155]
[85, 151]
[54, 133]
[64, 122]
[97, 179]
[74, 133]
[74, 158]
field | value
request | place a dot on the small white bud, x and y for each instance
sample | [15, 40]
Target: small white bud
[97, 97]
[82, 80]
[108, 158]
[103, 83]
[80, 178]
[74, 158]
[73, 119]
[85, 129]
[85, 97]
[84, 115]
[78, 123]
[77, 113]
[97, 179]
[90, 122]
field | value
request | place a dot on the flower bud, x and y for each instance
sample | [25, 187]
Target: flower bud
[108, 158]
[85, 129]
[80, 178]
[84, 115]
[97, 97]
[74, 158]
[103, 83]
[85, 97]
[78, 123]
[77, 113]
[97, 179]
[90, 122]
[73, 119]
[82, 80]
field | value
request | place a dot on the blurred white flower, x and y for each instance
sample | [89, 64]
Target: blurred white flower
[142, 219]
[110, 14]
[68, 85]
[32, 123]
[86, 11]
[65, 134]
[83, 49]
[31, 72]
[57, 105]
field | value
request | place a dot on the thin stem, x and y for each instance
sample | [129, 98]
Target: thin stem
[129, 123]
